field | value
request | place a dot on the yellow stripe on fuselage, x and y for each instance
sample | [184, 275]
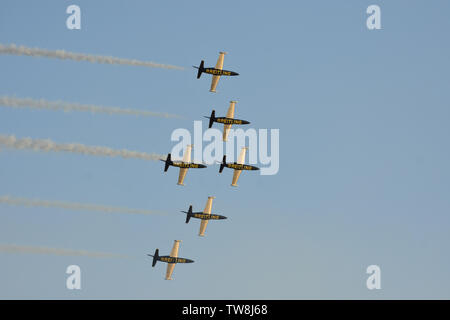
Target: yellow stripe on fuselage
[218, 72]
[185, 165]
[172, 260]
[206, 216]
[229, 121]
[238, 166]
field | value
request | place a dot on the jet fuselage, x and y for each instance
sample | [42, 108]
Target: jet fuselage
[239, 166]
[226, 120]
[205, 216]
[219, 72]
[187, 165]
[170, 259]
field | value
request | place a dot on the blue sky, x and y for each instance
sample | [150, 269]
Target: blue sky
[364, 176]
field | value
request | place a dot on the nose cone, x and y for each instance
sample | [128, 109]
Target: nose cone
[234, 73]
[245, 122]
[201, 166]
[189, 261]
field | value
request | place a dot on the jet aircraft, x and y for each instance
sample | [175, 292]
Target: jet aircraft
[217, 71]
[227, 121]
[205, 216]
[237, 166]
[171, 259]
[184, 165]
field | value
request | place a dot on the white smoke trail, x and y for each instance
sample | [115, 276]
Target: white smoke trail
[48, 145]
[13, 102]
[61, 54]
[73, 206]
[12, 248]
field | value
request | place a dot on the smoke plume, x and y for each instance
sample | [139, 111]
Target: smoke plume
[6, 199]
[61, 54]
[13, 102]
[12, 248]
[47, 145]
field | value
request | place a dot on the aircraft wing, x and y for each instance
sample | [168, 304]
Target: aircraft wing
[236, 175]
[214, 82]
[186, 158]
[241, 158]
[169, 271]
[203, 225]
[207, 210]
[182, 175]
[219, 64]
[187, 153]
[208, 206]
[226, 130]
[173, 253]
[176, 246]
[230, 114]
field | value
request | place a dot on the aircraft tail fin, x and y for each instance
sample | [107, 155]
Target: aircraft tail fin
[189, 214]
[212, 118]
[200, 68]
[168, 162]
[155, 257]
[222, 165]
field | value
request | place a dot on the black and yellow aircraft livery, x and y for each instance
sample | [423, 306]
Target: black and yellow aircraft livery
[205, 216]
[171, 259]
[180, 164]
[217, 71]
[227, 121]
[237, 166]
[183, 165]
[224, 120]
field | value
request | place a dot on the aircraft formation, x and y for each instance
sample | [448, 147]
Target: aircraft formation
[186, 163]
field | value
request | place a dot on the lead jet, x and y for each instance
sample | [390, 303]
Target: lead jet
[171, 260]
[237, 166]
[205, 216]
[217, 71]
[184, 165]
[227, 121]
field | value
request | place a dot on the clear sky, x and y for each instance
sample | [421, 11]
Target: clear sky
[364, 149]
